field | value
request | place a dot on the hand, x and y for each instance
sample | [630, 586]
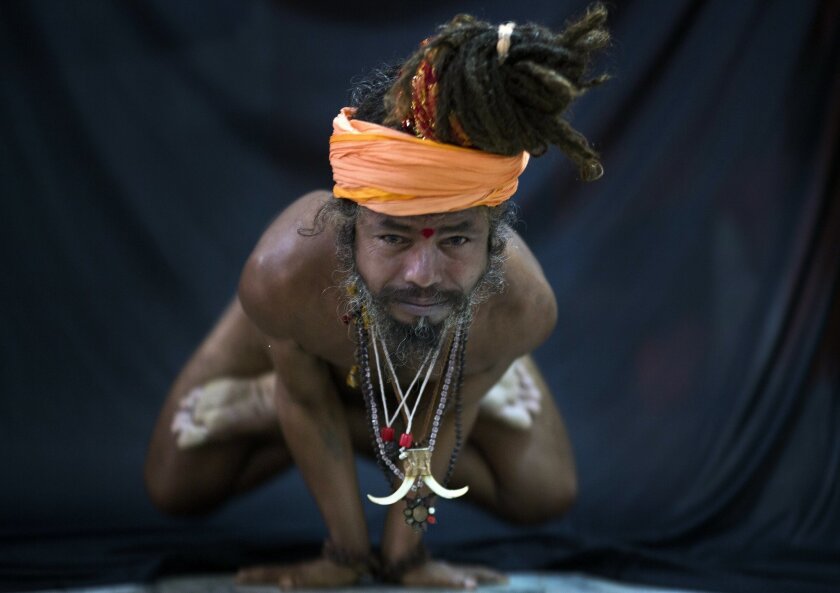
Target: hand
[312, 573]
[442, 574]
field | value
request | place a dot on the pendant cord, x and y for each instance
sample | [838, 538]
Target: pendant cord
[452, 380]
[438, 385]
[388, 420]
[459, 401]
[409, 415]
[386, 464]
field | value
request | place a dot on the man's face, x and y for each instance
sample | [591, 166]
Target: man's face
[421, 267]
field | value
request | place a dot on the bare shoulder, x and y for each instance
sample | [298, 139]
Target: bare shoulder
[519, 319]
[293, 260]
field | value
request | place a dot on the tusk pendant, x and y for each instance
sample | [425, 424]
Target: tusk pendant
[435, 487]
[418, 465]
[400, 492]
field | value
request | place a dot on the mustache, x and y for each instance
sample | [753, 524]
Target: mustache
[411, 293]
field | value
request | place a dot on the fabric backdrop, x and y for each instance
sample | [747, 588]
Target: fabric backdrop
[144, 146]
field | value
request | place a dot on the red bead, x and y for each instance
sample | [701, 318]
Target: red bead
[406, 440]
[387, 434]
[431, 520]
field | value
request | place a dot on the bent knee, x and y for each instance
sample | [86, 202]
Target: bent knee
[539, 505]
[172, 498]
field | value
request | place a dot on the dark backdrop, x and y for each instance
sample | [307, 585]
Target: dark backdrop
[145, 145]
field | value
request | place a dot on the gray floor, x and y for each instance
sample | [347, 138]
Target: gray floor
[519, 583]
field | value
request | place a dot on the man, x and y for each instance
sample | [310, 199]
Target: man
[395, 316]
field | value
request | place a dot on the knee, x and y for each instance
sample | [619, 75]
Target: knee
[171, 498]
[565, 497]
[162, 496]
[546, 503]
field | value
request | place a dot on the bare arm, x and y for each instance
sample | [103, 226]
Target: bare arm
[276, 290]
[312, 418]
[399, 541]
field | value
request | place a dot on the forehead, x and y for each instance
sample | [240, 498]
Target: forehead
[471, 218]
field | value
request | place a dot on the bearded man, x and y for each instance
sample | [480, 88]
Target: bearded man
[350, 330]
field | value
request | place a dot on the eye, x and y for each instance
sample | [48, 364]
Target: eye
[456, 241]
[392, 239]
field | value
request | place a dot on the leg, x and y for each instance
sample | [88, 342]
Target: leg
[523, 475]
[197, 479]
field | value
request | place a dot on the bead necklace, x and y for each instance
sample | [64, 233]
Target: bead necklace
[403, 397]
[416, 459]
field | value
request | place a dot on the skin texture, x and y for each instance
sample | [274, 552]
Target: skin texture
[287, 321]
[394, 254]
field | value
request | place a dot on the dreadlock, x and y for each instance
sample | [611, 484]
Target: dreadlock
[504, 107]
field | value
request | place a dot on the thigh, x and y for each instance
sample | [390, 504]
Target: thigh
[199, 478]
[234, 348]
[534, 466]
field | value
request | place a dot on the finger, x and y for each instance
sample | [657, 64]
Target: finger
[453, 581]
[460, 580]
[286, 582]
[259, 575]
[488, 576]
[443, 576]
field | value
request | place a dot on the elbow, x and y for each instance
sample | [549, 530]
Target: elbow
[250, 289]
[260, 283]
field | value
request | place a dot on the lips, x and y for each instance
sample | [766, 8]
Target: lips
[407, 304]
[422, 302]
[415, 308]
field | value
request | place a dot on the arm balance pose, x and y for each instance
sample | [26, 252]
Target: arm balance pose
[395, 316]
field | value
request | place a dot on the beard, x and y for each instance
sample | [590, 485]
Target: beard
[411, 342]
[408, 343]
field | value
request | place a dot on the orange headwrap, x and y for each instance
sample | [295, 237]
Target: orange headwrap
[397, 174]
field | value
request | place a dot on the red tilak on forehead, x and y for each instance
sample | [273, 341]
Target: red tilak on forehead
[427, 232]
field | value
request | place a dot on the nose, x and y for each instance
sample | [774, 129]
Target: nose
[422, 266]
